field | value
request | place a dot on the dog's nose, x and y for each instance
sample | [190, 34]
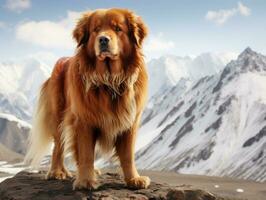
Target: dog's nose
[103, 40]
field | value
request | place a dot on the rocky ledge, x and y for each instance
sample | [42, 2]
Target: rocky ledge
[25, 186]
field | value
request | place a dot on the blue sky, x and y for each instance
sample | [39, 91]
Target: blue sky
[179, 27]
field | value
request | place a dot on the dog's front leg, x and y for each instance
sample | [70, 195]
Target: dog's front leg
[84, 150]
[125, 150]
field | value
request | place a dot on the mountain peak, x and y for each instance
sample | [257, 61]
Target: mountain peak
[247, 52]
[248, 49]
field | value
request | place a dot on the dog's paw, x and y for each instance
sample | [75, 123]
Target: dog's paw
[59, 174]
[81, 183]
[140, 182]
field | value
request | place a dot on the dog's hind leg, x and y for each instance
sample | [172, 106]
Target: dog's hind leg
[57, 169]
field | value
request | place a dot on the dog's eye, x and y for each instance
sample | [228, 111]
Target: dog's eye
[118, 29]
[96, 29]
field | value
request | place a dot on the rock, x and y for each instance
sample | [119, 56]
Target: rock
[26, 185]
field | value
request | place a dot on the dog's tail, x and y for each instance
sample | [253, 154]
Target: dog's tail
[41, 137]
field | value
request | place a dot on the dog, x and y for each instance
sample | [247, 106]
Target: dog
[94, 98]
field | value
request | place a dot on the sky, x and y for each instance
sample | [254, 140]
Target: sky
[179, 27]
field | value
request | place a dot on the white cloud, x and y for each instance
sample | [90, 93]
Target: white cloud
[221, 16]
[18, 5]
[158, 43]
[243, 10]
[49, 34]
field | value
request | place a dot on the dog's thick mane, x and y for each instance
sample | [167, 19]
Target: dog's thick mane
[115, 82]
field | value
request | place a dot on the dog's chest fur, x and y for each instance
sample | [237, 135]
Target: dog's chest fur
[115, 113]
[115, 118]
[119, 114]
[114, 97]
[112, 104]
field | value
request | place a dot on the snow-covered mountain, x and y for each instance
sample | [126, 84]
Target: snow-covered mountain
[202, 117]
[217, 126]
[13, 137]
[167, 71]
[20, 84]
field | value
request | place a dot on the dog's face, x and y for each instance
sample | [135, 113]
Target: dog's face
[110, 38]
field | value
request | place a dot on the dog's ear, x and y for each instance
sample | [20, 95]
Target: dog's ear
[81, 31]
[137, 29]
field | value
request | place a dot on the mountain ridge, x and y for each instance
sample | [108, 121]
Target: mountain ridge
[190, 134]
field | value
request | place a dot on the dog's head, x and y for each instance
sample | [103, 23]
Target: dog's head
[110, 39]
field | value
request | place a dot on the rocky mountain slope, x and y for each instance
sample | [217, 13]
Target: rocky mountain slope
[13, 137]
[215, 127]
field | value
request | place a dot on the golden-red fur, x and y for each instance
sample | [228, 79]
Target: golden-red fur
[97, 98]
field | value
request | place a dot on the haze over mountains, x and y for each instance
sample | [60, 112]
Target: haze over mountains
[20, 83]
[166, 71]
[201, 117]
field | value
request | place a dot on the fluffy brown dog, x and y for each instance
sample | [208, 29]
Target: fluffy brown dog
[95, 98]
